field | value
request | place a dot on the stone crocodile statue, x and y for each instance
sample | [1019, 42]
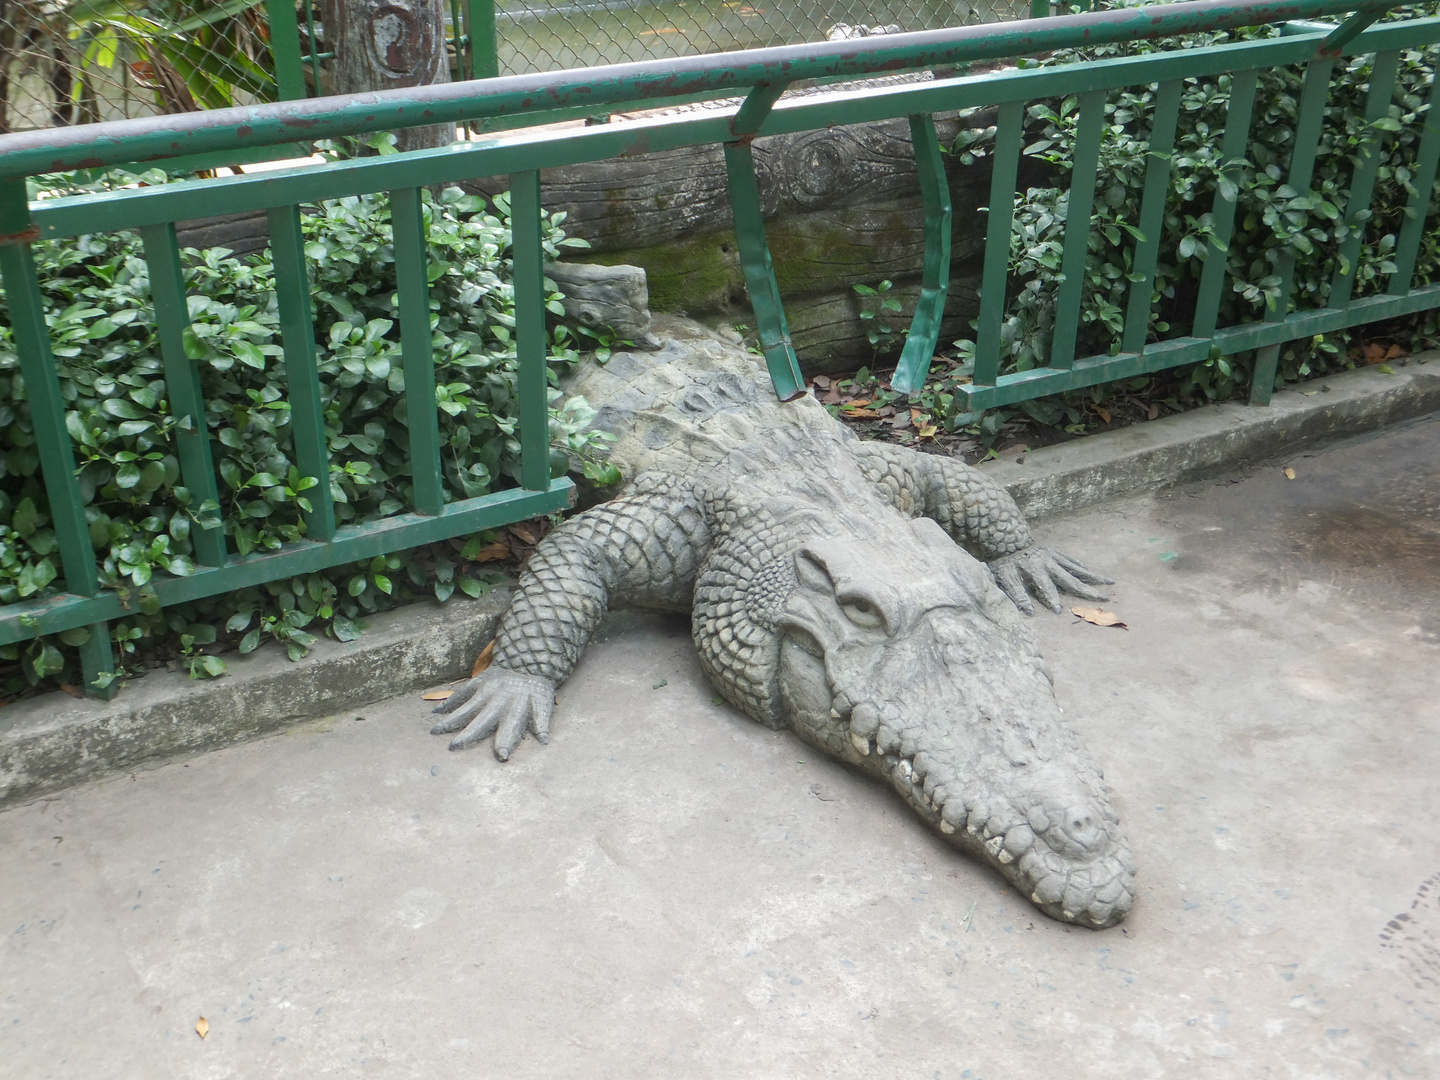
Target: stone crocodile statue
[864, 595]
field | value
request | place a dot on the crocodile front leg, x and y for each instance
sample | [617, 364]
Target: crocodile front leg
[981, 517]
[640, 550]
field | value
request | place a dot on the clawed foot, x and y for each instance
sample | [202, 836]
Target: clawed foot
[1046, 574]
[498, 702]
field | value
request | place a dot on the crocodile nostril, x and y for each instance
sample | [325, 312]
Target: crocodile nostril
[1081, 826]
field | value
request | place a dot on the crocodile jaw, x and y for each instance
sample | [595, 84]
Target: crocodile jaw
[954, 710]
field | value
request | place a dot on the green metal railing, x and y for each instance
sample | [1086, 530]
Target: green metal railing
[520, 100]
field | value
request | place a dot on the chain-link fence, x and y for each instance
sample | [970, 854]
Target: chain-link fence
[91, 60]
[541, 35]
[80, 61]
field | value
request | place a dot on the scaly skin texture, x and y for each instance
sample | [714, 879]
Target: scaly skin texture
[862, 594]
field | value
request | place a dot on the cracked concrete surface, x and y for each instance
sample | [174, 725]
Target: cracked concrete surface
[670, 890]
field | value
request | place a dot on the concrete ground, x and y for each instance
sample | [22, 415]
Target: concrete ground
[669, 890]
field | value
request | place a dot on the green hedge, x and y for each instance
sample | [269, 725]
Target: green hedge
[141, 518]
[1270, 217]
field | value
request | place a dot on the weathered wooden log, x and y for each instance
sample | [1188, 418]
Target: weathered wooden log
[649, 199]
[242, 233]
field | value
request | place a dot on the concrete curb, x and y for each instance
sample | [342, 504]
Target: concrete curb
[51, 742]
[1194, 445]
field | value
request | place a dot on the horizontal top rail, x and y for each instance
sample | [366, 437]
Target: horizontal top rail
[160, 138]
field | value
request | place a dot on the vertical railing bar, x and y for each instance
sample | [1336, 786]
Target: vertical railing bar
[1005, 164]
[1161, 155]
[1309, 126]
[1407, 250]
[920, 343]
[484, 51]
[182, 386]
[1233, 146]
[307, 406]
[31, 335]
[770, 324]
[1078, 207]
[530, 340]
[285, 49]
[416, 346]
[314, 48]
[457, 40]
[1362, 186]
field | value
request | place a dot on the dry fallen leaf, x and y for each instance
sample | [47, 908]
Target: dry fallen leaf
[1393, 352]
[1289, 473]
[491, 552]
[73, 691]
[858, 403]
[1374, 353]
[483, 660]
[1097, 617]
[524, 534]
[861, 414]
[202, 1027]
[436, 695]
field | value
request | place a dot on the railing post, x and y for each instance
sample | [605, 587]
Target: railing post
[484, 52]
[1004, 165]
[531, 385]
[302, 377]
[182, 385]
[770, 324]
[919, 350]
[47, 417]
[285, 50]
[412, 285]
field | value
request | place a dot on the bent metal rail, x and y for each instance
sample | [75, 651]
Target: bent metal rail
[533, 100]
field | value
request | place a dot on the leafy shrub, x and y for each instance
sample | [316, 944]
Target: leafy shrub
[1270, 217]
[143, 520]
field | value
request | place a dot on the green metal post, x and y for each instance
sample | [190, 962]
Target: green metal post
[1039, 9]
[531, 342]
[1232, 151]
[47, 417]
[1418, 206]
[416, 346]
[1078, 207]
[1160, 154]
[484, 53]
[1004, 164]
[919, 348]
[1362, 186]
[770, 322]
[1308, 127]
[182, 386]
[307, 406]
[285, 49]
[756, 107]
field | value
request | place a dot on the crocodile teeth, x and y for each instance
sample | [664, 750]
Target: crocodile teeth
[834, 715]
[1005, 856]
[995, 844]
[946, 828]
[904, 768]
[861, 744]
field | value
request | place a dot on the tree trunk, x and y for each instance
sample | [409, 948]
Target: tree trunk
[388, 44]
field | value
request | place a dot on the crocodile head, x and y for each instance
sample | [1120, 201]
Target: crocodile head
[900, 656]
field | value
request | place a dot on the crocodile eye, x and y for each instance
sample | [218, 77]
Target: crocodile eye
[862, 613]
